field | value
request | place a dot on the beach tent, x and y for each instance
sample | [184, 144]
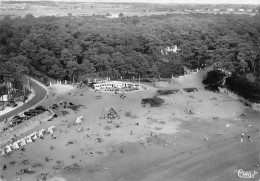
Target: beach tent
[50, 129]
[28, 139]
[34, 136]
[2, 152]
[109, 113]
[8, 148]
[22, 142]
[79, 119]
[40, 133]
[15, 145]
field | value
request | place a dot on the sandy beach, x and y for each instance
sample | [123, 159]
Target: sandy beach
[191, 136]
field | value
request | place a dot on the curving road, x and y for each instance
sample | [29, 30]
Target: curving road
[40, 93]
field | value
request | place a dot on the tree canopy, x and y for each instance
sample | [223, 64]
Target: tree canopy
[68, 47]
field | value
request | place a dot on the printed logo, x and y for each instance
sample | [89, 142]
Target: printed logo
[246, 174]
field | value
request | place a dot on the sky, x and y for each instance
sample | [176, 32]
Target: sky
[182, 1]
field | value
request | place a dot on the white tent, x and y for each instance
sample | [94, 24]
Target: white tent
[22, 142]
[2, 152]
[42, 130]
[34, 137]
[50, 129]
[79, 119]
[15, 145]
[28, 139]
[40, 134]
[8, 148]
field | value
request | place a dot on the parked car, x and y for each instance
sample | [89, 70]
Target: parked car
[41, 108]
[16, 120]
[33, 112]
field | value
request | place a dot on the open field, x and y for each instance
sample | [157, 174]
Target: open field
[58, 8]
[191, 136]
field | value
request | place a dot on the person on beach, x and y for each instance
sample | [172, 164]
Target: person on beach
[242, 137]
[249, 139]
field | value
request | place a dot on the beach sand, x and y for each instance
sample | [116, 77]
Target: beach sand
[192, 136]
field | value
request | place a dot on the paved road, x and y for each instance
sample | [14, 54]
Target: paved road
[40, 94]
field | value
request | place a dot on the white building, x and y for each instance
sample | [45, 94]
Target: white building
[114, 85]
[111, 16]
[173, 49]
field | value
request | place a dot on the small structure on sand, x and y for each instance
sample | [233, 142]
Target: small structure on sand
[79, 119]
[109, 114]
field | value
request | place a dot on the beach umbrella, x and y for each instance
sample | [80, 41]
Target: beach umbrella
[28, 139]
[15, 145]
[8, 148]
[2, 152]
[22, 142]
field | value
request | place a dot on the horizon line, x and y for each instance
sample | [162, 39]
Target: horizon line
[140, 2]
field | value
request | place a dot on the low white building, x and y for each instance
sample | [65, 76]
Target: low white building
[173, 49]
[111, 16]
[114, 85]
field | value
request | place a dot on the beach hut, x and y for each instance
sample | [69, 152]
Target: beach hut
[28, 139]
[15, 145]
[40, 134]
[79, 119]
[8, 148]
[50, 129]
[2, 152]
[34, 136]
[22, 142]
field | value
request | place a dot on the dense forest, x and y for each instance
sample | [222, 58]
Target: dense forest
[76, 48]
